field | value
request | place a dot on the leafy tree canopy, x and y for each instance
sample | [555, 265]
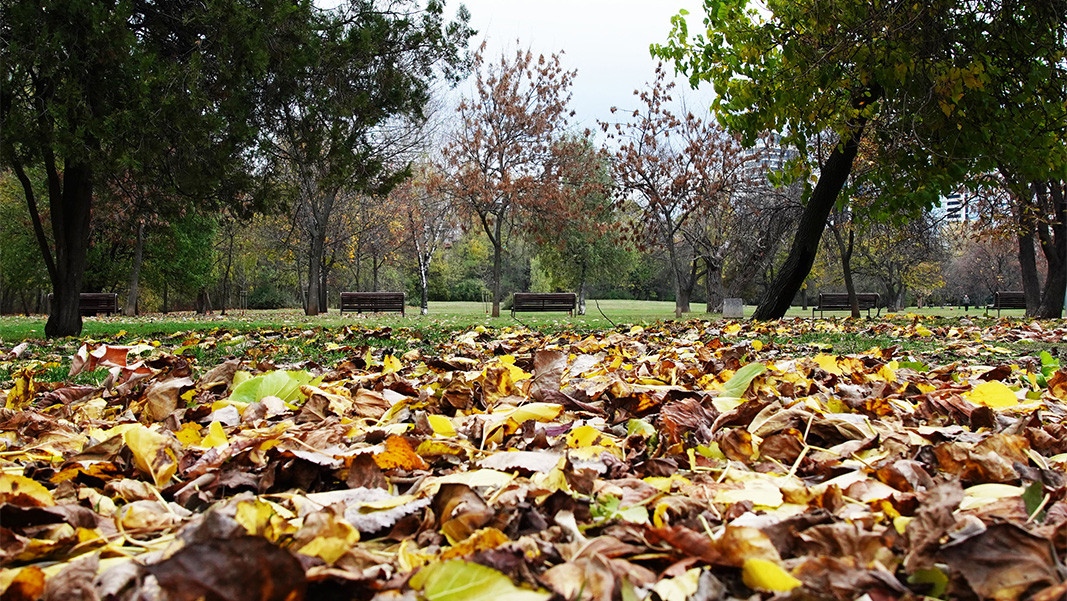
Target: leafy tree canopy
[944, 86]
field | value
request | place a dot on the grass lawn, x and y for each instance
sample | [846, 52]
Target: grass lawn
[600, 314]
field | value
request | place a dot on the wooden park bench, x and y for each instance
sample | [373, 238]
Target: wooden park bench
[91, 303]
[543, 301]
[838, 301]
[373, 302]
[1005, 299]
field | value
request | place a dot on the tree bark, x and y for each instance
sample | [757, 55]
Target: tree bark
[315, 270]
[70, 230]
[713, 285]
[203, 302]
[497, 263]
[797, 266]
[845, 251]
[1054, 246]
[1028, 258]
[581, 289]
[135, 272]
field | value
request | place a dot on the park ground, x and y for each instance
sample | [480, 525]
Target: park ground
[455, 457]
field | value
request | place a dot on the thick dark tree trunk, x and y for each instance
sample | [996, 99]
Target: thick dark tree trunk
[1054, 246]
[1028, 261]
[797, 266]
[135, 273]
[70, 230]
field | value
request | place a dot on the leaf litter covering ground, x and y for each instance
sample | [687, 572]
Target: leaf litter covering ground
[688, 460]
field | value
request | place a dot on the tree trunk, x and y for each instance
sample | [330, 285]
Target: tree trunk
[713, 285]
[497, 263]
[797, 266]
[424, 287]
[1028, 260]
[845, 252]
[581, 290]
[681, 288]
[375, 266]
[318, 242]
[682, 304]
[70, 228]
[203, 302]
[135, 272]
[1054, 247]
[324, 289]
[229, 268]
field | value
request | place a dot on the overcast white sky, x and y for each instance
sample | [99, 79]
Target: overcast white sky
[606, 41]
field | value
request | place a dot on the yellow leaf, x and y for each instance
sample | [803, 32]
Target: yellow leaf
[992, 394]
[329, 537]
[763, 575]
[732, 329]
[189, 434]
[22, 393]
[263, 518]
[480, 540]
[438, 448]
[923, 331]
[587, 436]
[216, 436]
[757, 345]
[442, 426]
[517, 373]
[24, 492]
[390, 364]
[507, 422]
[152, 453]
[828, 363]
[457, 580]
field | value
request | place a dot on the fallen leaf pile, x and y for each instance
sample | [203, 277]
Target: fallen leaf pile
[686, 460]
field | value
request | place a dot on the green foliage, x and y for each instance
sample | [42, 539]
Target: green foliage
[460, 274]
[22, 272]
[944, 86]
[181, 258]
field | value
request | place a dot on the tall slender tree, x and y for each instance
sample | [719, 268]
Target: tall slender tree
[503, 145]
[673, 168]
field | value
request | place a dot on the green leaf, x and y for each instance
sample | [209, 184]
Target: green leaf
[1034, 498]
[457, 580]
[736, 386]
[1049, 364]
[934, 577]
[282, 384]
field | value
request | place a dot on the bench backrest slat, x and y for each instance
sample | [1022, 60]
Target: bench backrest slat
[373, 301]
[543, 301]
[829, 301]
